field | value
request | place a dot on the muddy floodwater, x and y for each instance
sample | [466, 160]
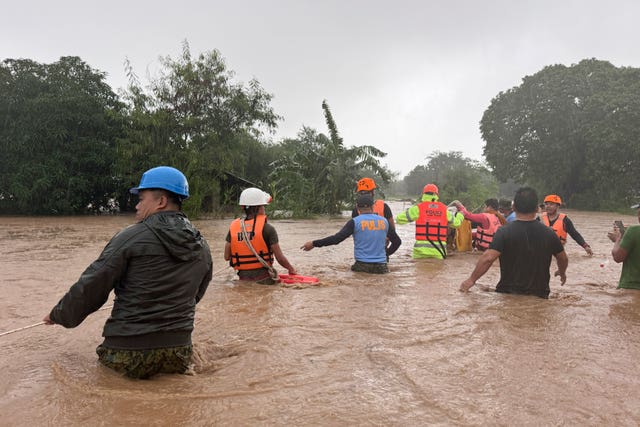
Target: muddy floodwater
[403, 349]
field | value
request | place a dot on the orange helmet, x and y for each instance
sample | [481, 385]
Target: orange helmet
[366, 184]
[430, 188]
[553, 198]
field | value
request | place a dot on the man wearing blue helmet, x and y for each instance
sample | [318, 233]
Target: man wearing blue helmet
[158, 268]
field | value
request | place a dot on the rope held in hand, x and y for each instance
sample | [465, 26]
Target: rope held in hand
[103, 308]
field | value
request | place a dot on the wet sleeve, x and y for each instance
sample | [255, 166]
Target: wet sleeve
[571, 230]
[408, 215]
[207, 277]
[630, 238]
[387, 213]
[455, 221]
[497, 243]
[556, 245]
[92, 290]
[394, 239]
[345, 232]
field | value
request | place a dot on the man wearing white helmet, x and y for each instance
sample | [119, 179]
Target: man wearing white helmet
[159, 269]
[252, 243]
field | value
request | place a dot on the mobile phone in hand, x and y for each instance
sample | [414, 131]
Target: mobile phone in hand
[620, 226]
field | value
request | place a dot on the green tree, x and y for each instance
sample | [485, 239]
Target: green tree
[59, 123]
[571, 131]
[317, 174]
[196, 118]
[457, 177]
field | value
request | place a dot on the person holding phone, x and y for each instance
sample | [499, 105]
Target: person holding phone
[626, 249]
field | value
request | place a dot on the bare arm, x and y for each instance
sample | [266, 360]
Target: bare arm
[563, 263]
[227, 251]
[619, 253]
[483, 264]
[282, 260]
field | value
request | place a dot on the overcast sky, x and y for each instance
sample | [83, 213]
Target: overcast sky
[409, 77]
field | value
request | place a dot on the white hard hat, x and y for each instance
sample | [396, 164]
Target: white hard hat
[254, 197]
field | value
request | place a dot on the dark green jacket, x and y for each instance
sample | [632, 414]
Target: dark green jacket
[159, 269]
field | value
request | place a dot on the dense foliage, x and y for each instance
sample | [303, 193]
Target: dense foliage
[58, 127]
[572, 131]
[457, 178]
[70, 145]
[196, 118]
[318, 173]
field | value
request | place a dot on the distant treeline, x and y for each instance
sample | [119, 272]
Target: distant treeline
[71, 145]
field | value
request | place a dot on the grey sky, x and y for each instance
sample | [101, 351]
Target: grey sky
[408, 77]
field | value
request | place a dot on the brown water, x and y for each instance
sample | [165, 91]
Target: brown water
[401, 349]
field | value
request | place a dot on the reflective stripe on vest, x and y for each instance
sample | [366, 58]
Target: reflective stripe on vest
[484, 236]
[241, 256]
[557, 226]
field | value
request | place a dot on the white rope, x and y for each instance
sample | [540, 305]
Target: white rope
[21, 329]
[220, 271]
[102, 308]
[41, 323]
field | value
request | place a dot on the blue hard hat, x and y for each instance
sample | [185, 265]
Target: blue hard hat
[165, 178]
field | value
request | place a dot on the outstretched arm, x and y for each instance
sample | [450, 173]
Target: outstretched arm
[408, 215]
[345, 232]
[483, 264]
[575, 235]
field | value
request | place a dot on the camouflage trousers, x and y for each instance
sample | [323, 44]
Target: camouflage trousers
[143, 364]
[370, 267]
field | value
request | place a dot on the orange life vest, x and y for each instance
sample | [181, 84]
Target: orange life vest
[378, 208]
[432, 224]
[557, 226]
[484, 236]
[241, 256]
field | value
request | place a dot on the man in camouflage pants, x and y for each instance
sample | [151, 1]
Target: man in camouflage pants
[143, 364]
[159, 268]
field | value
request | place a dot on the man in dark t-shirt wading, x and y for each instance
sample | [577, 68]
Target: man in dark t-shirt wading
[525, 248]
